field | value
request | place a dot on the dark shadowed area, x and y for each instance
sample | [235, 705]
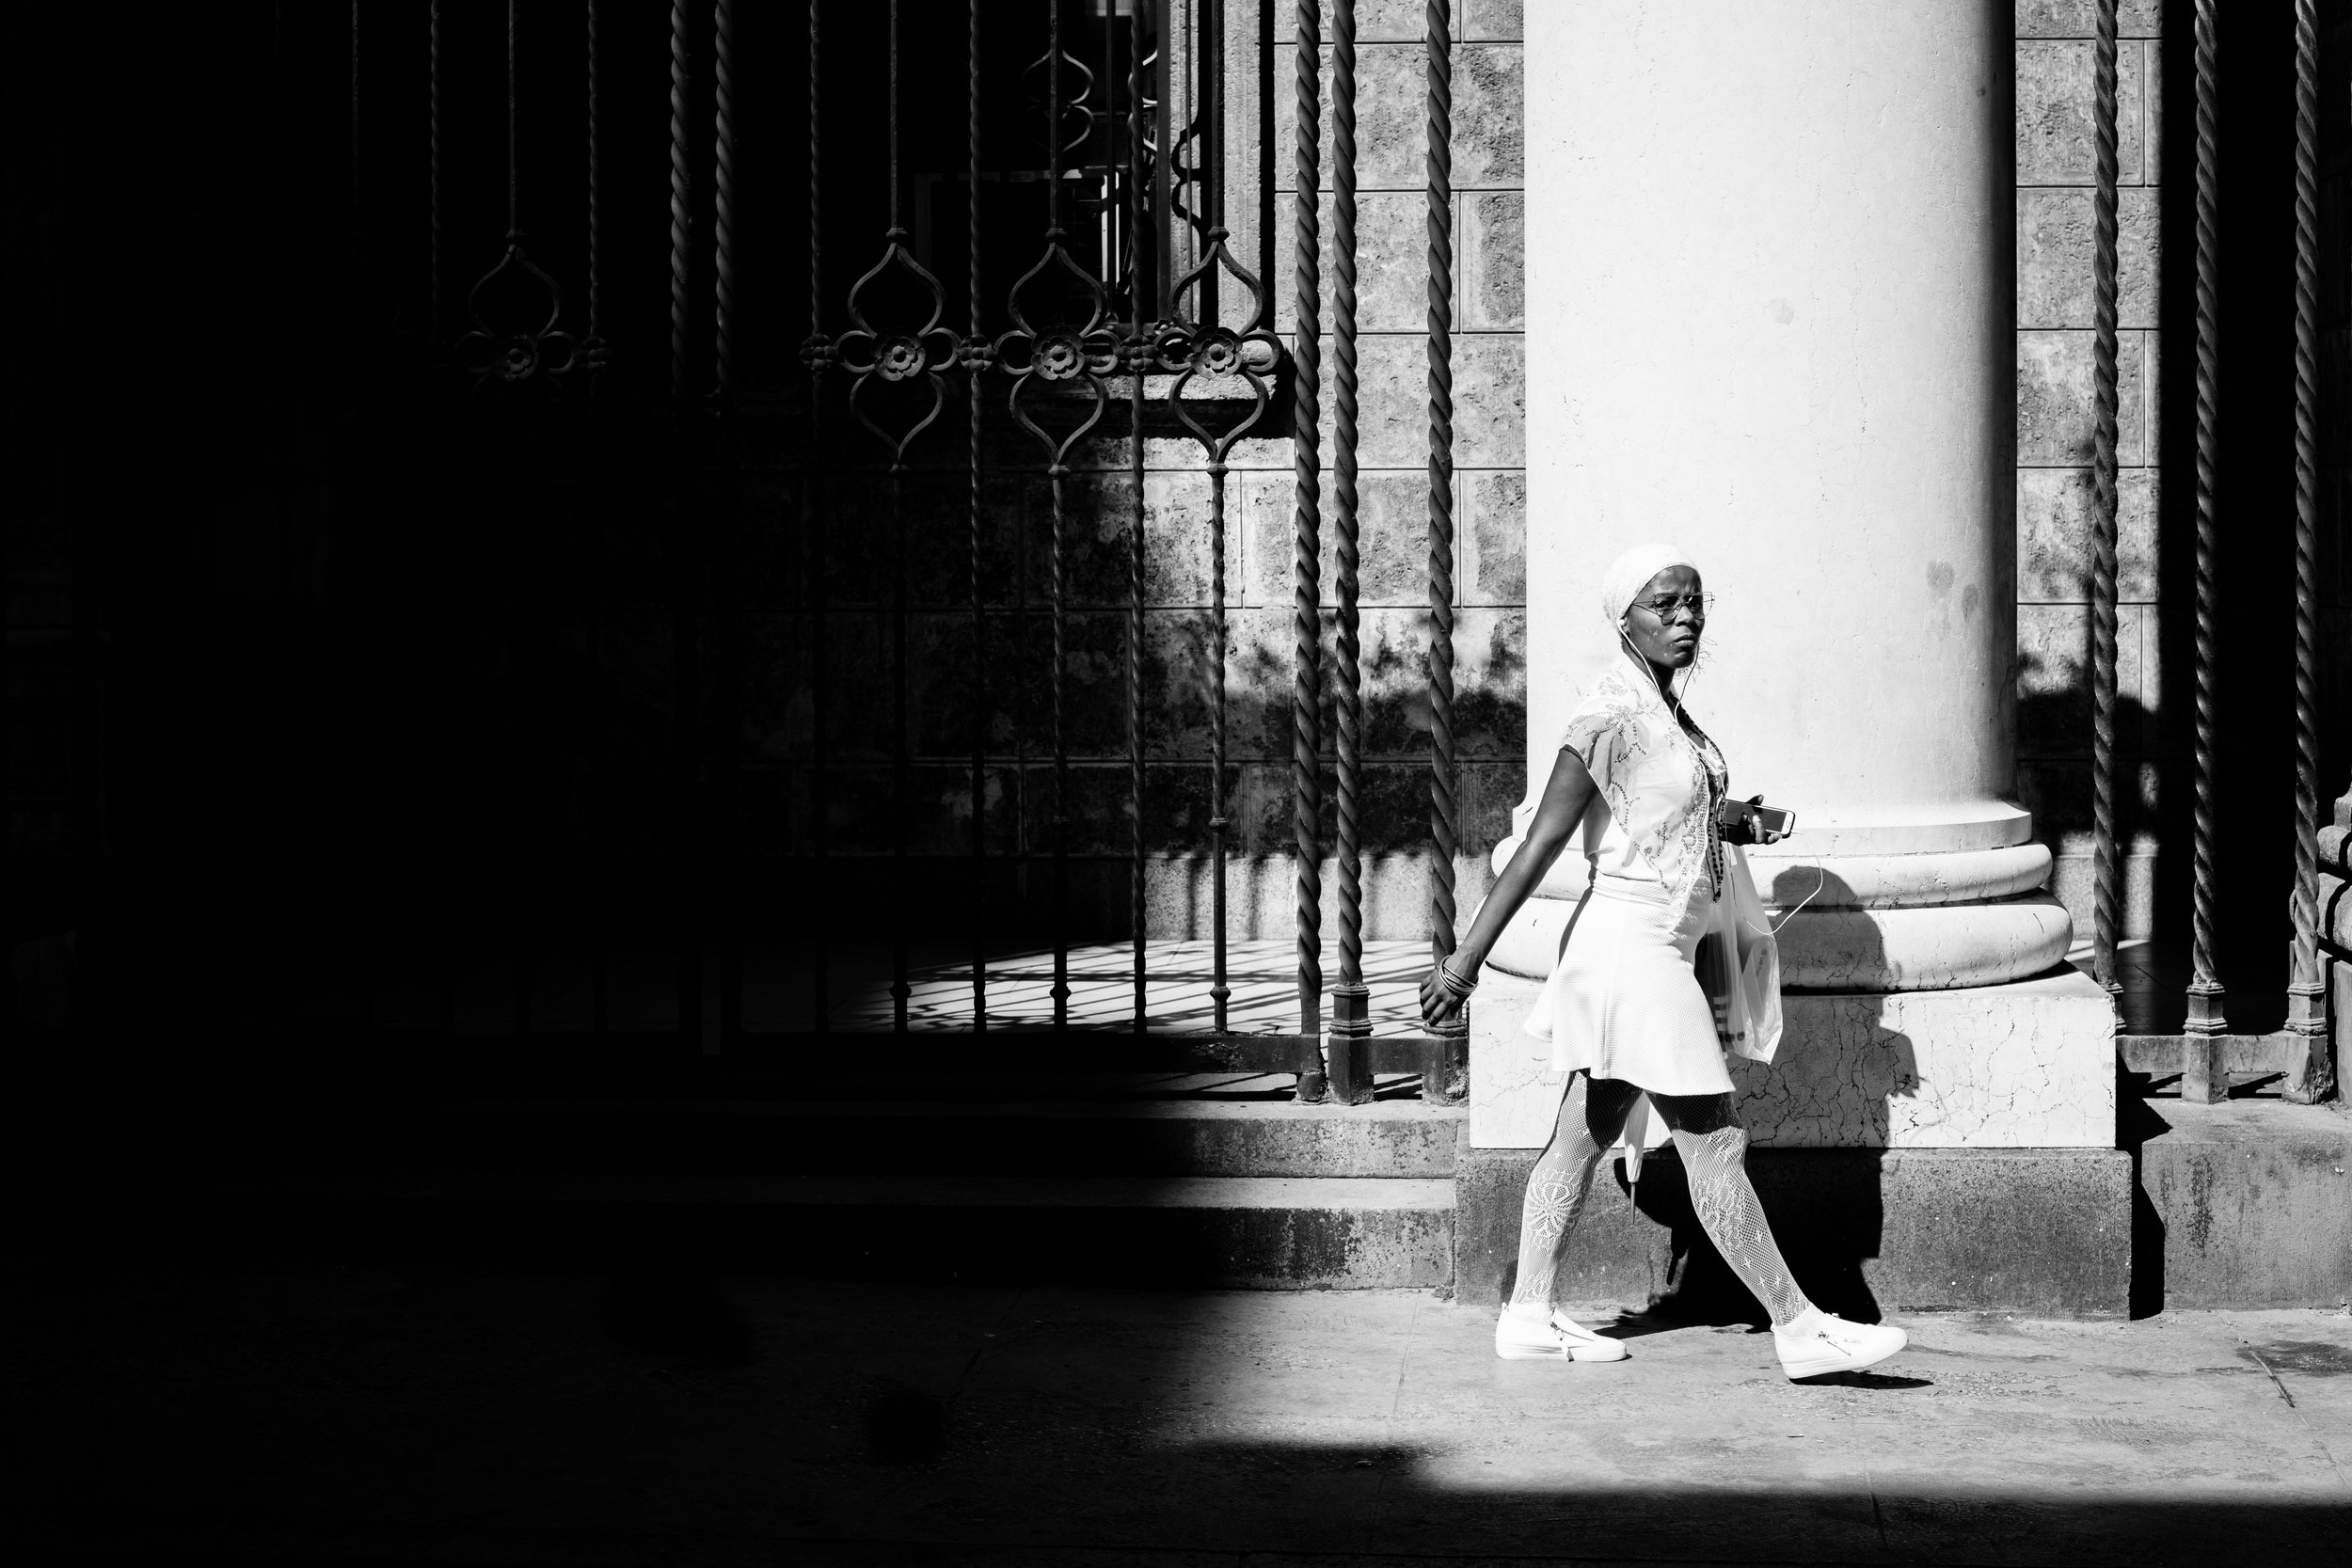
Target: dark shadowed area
[448, 1415]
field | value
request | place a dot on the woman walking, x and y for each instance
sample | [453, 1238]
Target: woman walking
[1644, 793]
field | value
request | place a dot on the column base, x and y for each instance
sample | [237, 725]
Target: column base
[1930, 947]
[1933, 899]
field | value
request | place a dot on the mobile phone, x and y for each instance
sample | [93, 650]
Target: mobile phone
[1771, 823]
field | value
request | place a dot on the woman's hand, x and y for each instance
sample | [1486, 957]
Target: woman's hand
[1566, 794]
[1437, 1004]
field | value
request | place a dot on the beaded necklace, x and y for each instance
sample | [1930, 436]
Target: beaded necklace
[1718, 775]
[1712, 768]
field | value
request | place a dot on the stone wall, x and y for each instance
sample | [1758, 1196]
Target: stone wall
[2055, 172]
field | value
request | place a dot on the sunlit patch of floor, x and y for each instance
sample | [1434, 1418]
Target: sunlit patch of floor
[1262, 977]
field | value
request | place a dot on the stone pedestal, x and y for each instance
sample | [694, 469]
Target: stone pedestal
[2026, 1065]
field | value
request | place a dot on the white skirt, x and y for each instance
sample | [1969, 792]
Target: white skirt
[1623, 1001]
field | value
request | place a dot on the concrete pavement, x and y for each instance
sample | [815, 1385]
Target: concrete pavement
[445, 1417]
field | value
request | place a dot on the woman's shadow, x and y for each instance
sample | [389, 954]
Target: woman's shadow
[1828, 1092]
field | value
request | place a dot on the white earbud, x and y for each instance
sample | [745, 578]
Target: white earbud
[1625, 634]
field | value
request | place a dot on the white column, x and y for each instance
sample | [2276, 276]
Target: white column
[1770, 303]
[1769, 290]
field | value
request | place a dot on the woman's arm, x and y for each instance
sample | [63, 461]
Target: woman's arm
[1567, 795]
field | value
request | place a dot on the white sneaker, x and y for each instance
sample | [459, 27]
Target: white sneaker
[1821, 1342]
[1561, 1338]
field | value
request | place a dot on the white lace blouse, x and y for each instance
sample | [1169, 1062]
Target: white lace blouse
[1661, 778]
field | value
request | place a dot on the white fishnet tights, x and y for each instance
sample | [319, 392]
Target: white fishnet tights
[1707, 1132]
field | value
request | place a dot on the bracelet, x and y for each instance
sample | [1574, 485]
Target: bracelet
[1453, 983]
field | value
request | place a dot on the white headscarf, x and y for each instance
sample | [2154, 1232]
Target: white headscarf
[1630, 573]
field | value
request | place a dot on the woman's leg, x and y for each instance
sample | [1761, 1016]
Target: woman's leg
[1591, 1114]
[1714, 1151]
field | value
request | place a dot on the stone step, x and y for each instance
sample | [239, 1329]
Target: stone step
[1226, 1232]
[1400, 1138]
[2251, 1200]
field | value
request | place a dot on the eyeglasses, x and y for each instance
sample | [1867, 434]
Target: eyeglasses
[1664, 608]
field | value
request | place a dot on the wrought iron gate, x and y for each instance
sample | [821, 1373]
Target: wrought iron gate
[1132, 326]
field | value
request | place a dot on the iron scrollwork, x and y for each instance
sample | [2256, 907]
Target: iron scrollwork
[489, 353]
[1087, 352]
[509, 356]
[870, 354]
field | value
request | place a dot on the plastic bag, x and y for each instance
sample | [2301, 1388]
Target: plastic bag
[1737, 964]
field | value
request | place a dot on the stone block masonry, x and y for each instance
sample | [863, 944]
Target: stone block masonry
[2251, 1201]
[2056, 411]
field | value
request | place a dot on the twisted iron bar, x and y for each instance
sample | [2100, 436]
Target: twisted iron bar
[447, 979]
[1443, 809]
[680, 300]
[817, 354]
[873, 354]
[2103, 514]
[2205, 998]
[514, 122]
[902, 765]
[598, 962]
[685, 628]
[595, 192]
[1350, 999]
[599, 958]
[2308, 1006]
[1082, 354]
[356, 206]
[719, 773]
[1137, 349]
[1057, 472]
[1058, 589]
[1307, 515]
[433, 133]
[1221, 991]
[722, 196]
[1194, 343]
[976, 363]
